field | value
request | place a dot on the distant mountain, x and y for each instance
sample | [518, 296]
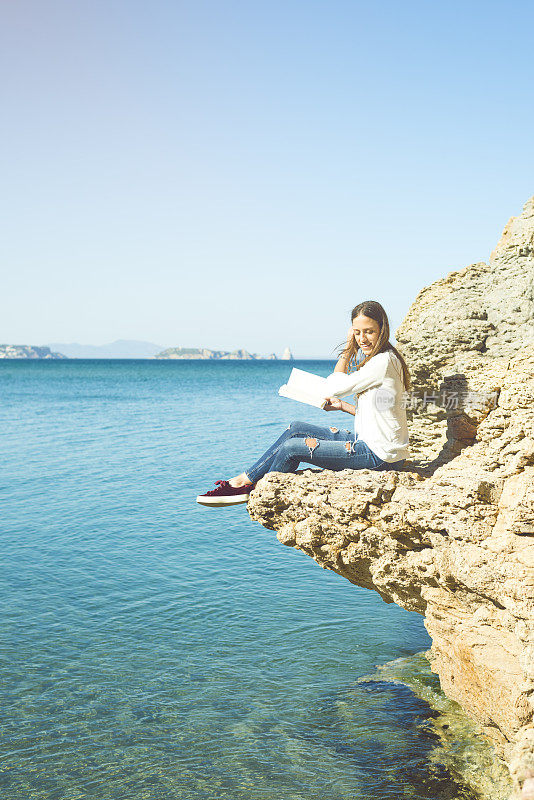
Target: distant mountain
[27, 351]
[122, 348]
[130, 348]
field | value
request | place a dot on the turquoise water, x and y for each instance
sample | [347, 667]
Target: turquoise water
[152, 648]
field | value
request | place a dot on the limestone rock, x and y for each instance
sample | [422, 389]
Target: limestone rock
[451, 536]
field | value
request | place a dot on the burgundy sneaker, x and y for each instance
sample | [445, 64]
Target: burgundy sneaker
[226, 495]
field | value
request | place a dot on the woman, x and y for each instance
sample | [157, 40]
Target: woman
[380, 438]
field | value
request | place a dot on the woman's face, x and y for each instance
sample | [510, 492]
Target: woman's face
[366, 332]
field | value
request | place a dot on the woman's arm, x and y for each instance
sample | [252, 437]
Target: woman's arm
[370, 375]
[343, 360]
[342, 363]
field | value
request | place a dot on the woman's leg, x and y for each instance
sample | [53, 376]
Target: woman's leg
[335, 455]
[296, 429]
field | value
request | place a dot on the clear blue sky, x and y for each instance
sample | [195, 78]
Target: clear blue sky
[240, 174]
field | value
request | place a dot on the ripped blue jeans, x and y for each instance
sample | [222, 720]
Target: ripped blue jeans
[330, 448]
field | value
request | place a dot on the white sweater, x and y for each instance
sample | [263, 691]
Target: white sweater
[380, 419]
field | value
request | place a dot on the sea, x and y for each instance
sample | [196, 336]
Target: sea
[155, 649]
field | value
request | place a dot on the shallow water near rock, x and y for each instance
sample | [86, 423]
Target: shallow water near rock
[156, 649]
[458, 748]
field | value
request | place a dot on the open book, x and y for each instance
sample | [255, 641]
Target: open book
[305, 387]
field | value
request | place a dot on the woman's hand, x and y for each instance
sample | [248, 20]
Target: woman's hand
[333, 404]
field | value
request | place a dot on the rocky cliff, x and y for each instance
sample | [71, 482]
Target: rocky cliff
[452, 535]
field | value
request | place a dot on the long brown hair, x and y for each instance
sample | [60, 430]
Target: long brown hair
[372, 309]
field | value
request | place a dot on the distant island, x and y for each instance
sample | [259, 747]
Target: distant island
[27, 351]
[191, 353]
[132, 349]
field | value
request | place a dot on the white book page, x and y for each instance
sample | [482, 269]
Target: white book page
[306, 381]
[305, 387]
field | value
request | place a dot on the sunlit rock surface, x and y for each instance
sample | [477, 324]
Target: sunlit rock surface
[452, 535]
